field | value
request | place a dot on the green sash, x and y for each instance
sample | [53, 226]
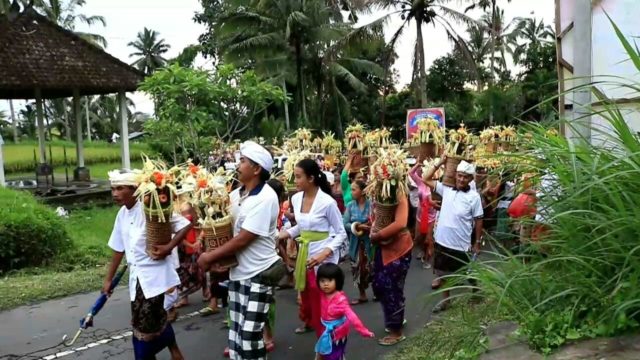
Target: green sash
[305, 238]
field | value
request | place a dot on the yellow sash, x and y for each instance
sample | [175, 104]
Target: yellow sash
[305, 238]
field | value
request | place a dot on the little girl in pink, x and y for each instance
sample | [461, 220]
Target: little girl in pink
[336, 314]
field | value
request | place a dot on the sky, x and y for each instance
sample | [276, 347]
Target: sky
[174, 21]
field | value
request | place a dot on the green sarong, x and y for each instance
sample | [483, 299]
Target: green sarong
[305, 238]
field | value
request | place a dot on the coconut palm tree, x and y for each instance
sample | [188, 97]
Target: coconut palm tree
[504, 38]
[534, 33]
[66, 15]
[292, 41]
[149, 50]
[423, 12]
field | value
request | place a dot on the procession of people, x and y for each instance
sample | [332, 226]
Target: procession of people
[239, 236]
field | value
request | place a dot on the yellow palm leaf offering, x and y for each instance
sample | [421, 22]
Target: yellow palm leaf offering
[331, 145]
[427, 165]
[211, 197]
[355, 137]
[303, 137]
[429, 131]
[489, 135]
[508, 134]
[388, 176]
[292, 159]
[157, 188]
[458, 143]
[489, 163]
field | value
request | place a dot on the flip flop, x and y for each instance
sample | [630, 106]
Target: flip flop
[404, 322]
[440, 307]
[225, 353]
[303, 330]
[436, 285]
[358, 301]
[208, 310]
[391, 342]
[270, 346]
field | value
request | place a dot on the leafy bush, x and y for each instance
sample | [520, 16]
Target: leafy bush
[30, 233]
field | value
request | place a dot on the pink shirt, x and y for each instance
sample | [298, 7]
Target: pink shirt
[337, 306]
[424, 194]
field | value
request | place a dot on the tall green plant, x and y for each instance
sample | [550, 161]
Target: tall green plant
[581, 279]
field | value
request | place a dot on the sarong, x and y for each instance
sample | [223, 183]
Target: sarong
[388, 287]
[309, 311]
[249, 303]
[151, 331]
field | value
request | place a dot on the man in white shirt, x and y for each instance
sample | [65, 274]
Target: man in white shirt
[150, 275]
[461, 213]
[254, 208]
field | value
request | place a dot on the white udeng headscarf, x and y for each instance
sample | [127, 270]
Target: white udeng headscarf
[467, 168]
[257, 154]
[122, 178]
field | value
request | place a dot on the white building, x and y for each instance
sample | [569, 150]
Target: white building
[589, 50]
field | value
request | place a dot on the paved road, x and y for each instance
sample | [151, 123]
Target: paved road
[39, 328]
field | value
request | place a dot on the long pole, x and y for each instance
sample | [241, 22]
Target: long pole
[40, 120]
[582, 71]
[2, 183]
[124, 131]
[86, 108]
[14, 122]
[78, 114]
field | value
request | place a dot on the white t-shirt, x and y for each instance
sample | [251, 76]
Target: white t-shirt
[457, 214]
[257, 213]
[548, 192]
[129, 235]
[324, 216]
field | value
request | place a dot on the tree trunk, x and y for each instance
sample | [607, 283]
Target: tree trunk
[339, 131]
[286, 105]
[300, 82]
[14, 122]
[493, 54]
[423, 73]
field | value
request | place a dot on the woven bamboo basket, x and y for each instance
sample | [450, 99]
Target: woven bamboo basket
[384, 215]
[218, 236]
[507, 146]
[491, 147]
[158, 233]
[428, 150]
[450, 169]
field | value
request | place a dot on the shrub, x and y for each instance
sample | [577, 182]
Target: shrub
[30, 233]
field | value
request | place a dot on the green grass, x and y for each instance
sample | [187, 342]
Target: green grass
[80, 270]
[457, 334]
[19, 157]
[98, 171]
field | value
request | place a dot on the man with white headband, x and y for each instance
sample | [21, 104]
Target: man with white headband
[254, 208]
[460, 213]
[150, 276]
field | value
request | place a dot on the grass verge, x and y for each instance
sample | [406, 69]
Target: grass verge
[457, 334]
[79, 270]
[98, 171]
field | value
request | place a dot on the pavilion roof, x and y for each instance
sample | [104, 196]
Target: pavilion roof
[37, 53]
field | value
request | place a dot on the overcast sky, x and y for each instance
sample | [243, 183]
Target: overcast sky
[174, 21]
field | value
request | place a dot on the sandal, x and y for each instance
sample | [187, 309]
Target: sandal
[225, 353]
[208, 310]
[441, 306]
[303, 330]
[270, 346]
[390, 341]
[436, 284]
[358, 301]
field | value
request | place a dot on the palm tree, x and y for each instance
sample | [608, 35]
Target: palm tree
[300, 42]
[149, 50]
[535, 33]
[65, 15]
[424, 12]
[474, 52]
[504, 38]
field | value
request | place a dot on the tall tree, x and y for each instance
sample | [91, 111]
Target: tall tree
[534, 33]
[149, 50]
[424, 12]
[65, 14]
[297, 42]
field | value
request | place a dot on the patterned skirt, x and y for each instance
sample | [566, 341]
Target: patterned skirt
[151, 331]
[338, 350]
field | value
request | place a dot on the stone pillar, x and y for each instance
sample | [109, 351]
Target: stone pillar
[80, 173]
[581, 119]
[124, 131]
[40, 122]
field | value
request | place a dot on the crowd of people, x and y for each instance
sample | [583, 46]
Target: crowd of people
[297, 238]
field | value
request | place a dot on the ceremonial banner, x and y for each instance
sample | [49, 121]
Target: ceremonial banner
[414, 115]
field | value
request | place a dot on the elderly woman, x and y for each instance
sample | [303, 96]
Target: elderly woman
[460, 214]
